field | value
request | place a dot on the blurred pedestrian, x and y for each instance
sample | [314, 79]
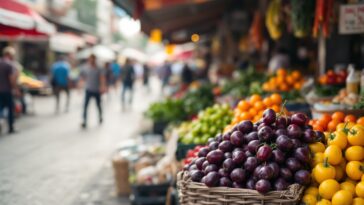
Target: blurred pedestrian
[108, 75]
[8, 85]
[166, 74]
[116, 71]
[146, 74]
[95, 84]
[128, 77]
[60, 80]
[186, 75]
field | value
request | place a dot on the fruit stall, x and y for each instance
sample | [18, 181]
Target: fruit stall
[255, 135]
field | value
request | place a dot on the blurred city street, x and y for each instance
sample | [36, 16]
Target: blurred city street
[51, 160]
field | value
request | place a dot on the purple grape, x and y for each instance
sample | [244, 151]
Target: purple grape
[302, 154]
[199, 162]
[211, 140]
[237, 185]
[248, 154]
[215, 157]
[213, 145]
[225, 182]
[205, 164]
[265, 133]
[223, 173]
[211, 168]
[307, 127]
[212, 179]
[186, 167]
[285, 173]
[237, 138]
[196, 175]
[238, 175]
[203, 179]
[263, 186]
[299, 119]
[245, 126]
[296, 143]
[293, 164]
[281, 122]
[228, 164]
[250, 184]
[269, 116]
[266, 172]
[245, 147]
[235, 128]
[227, 155]
[302, 177]
[320, 137]
[255, 128]
[309, 136]
[275, 168]
[253, 146]
[256, 172]
[262, 125]
[218, 137]
[238, 157]
[264, 153]
[225, 146]
[250, 164]
[281, 132]
[226, 137]
[294, 131]
[280, 184]
[251, 136]
[238, 149]
[192, 167]
[284, 143]
[203, 152]
[278, 156]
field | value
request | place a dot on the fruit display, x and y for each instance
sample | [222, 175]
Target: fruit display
[323, 17]
[302, 13]
[198, 99]
[272, 19]
[252, 108]
[270, 154]
[338, 173]
[192, 154]
[29, 82]
[333, 78]
[209, 122]
[284, 81]
[331, 122]
[345, 98]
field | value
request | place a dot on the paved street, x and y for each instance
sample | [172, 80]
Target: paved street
[51, 160]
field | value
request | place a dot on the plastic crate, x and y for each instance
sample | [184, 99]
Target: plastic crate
[149, 194]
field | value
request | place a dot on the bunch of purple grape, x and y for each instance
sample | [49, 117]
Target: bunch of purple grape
[268, 155]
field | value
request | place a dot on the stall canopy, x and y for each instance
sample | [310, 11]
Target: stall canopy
[177, 19]
[102, 52]
[18, 20]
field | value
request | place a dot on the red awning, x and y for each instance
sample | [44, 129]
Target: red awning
[17, 18]
[12, 33]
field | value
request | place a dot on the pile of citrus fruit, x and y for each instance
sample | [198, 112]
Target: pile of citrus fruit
[330, 122]
[253, 108]
[284, 81]
[338, 173]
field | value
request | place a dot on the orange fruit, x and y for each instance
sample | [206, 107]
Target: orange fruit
[326, 118]
[318, 127]
[284, 87]
[332, 125]
[280, 79]
[256, 118]
[255, 98]
[322, 123]
[360, 121]
[253, 112]
[244, 105]
[281, 72]
[290, 80]
[276, 98]
[339, 116]
[350, 118]
[259, 105]
[296, 74]
[267, 102]
[297, 86]
[266, 87]
[276, 108]
[245, 116]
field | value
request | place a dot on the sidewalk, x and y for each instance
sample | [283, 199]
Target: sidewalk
[52, 161]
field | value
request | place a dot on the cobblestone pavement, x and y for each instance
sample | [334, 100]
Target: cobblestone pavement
[51, 161]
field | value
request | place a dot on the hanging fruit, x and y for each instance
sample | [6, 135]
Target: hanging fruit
[255, 31]
[302, 14]
[323, 16]
[272, 20]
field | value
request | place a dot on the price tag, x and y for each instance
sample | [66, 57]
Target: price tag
[351, 19]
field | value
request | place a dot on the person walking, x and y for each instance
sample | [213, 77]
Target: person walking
[60, 80]
[128, 77]
[146, 74]
[95, 85]
[8, 85]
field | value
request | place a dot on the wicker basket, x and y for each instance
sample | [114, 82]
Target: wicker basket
[199, 194]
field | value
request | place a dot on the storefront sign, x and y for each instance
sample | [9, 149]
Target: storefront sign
[351, 19]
